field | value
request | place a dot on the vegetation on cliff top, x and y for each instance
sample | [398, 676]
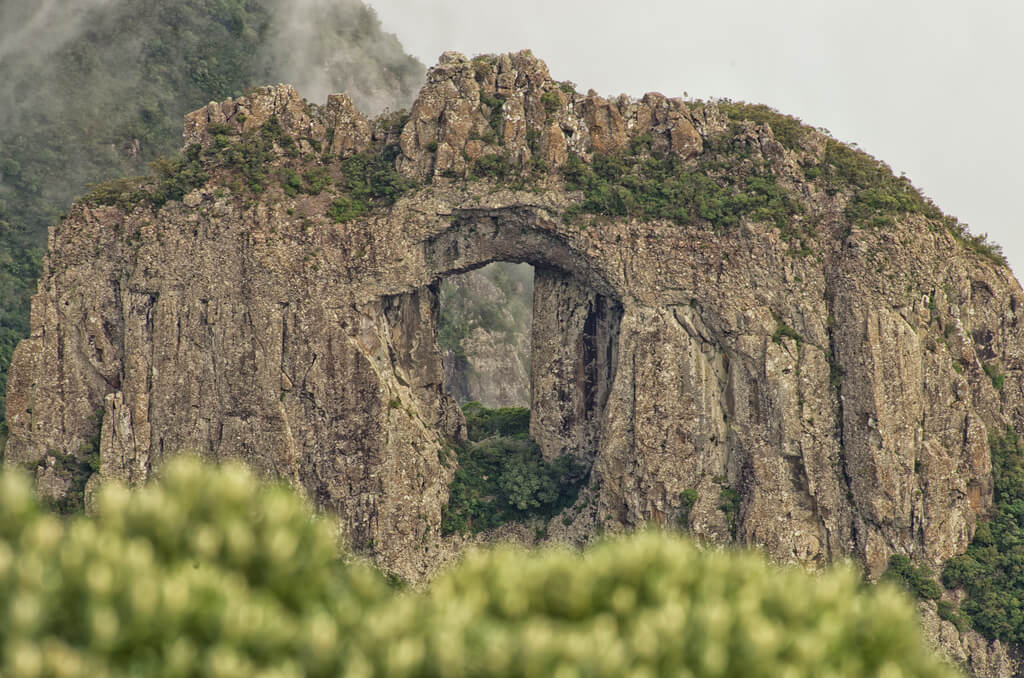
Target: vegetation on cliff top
[879, 197]
[729, 182]
[725, 185]
[208, 572]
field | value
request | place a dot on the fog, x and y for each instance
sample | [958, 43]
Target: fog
[319, 46]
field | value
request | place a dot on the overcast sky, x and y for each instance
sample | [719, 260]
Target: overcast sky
[932, 87]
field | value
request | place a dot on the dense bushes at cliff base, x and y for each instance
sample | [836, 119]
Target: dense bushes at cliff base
[503, 477]
[992, 570]
[208, 573]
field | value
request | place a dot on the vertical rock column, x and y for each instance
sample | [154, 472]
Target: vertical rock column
[574, 356]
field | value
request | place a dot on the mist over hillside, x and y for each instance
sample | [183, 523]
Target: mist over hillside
[94, 89]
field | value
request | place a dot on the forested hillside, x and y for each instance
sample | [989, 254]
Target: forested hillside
[94, 90]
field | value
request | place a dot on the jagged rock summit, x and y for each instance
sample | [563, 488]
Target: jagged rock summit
[815, 364]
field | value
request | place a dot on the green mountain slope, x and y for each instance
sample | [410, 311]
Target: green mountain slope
[97, 89]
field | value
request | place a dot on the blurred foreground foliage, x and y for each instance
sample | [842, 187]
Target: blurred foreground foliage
[210, 573]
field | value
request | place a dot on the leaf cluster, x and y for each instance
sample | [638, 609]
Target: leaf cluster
[991, 571]
[210, 573]
[311, 182]
[917, 579]
[787, 129]
[880, 197]
[369, 181]
[483, 422]
[717, 190]
[171, 179]
[687, 498]
[503, 477]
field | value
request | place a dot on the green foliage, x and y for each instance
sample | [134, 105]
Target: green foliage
[719, 190]
[370, 180]
[172, 179]
[784, 330]
[493, 165]
[687, 498]
[291, 181]
[880, 197]
[979, 244]
[78, 469]
[311, 182]
[948, 611]
[252, 154]
[346, 208]
[204, 569]
[991, 571]
[787, 129]
[496, 103]
[209, 573]
[551, 102]
[482, 422]
[502, 476]
[917, 579]
[652, 605]
[729, 503]
[997, 377]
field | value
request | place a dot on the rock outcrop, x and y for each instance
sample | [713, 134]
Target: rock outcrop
[823, 401]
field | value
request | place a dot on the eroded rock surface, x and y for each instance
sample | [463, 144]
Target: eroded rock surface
[823, 401]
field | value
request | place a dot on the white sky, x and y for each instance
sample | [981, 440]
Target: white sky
[932, 87]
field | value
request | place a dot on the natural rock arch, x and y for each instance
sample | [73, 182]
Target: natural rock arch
[816, 388]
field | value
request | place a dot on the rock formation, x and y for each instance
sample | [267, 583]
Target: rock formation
[839, 387]
[484, 335]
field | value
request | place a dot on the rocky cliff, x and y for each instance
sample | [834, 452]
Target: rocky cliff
[484, 335]
[777, 352]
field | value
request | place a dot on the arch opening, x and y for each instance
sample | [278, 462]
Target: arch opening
[521, 323]
[484, 334]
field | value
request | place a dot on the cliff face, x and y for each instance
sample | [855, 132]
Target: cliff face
[824, 396]
[484, 335]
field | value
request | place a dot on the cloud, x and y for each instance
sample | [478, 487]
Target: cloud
[325, 46]
[43, 27]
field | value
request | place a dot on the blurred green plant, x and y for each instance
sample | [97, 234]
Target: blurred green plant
[209, 573]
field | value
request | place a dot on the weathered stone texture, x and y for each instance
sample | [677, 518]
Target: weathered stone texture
[841, 395]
